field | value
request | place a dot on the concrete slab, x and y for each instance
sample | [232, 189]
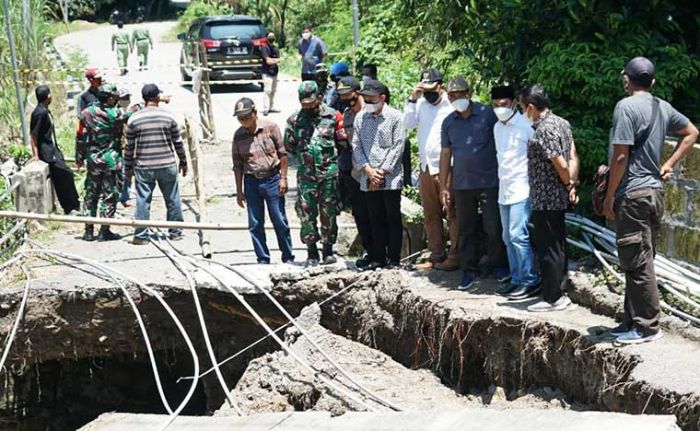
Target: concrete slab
[437, 420]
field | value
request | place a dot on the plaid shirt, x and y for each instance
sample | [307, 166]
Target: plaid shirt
[257, 152]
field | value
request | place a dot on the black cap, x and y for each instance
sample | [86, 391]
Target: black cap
[457, 84]
[640, 69]
[373, 88]
[430, 78]
[347, 84]
[503, 92]
[150, 92]
[244, 106]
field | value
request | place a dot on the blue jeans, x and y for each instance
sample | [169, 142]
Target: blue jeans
[258, 193]
[517, 239]
[124, 196]
[146, 180]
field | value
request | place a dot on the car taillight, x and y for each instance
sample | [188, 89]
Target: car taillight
[260, 42]
[209, 43]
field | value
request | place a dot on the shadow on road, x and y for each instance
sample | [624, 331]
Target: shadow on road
[229, 88]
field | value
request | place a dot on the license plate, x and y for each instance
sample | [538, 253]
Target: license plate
[236, 50]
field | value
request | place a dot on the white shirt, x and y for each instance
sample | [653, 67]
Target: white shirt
[511, 151]
[428, 118]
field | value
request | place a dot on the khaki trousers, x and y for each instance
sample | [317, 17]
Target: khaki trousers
[429, 187]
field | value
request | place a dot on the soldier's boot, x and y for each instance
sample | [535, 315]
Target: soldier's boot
[312, 258]
[107, 235]
[89, 234]
[328, 257]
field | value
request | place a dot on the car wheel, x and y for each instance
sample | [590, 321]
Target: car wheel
[183, 71]
[262, 86]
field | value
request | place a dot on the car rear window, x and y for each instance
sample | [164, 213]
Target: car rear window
[241, 30]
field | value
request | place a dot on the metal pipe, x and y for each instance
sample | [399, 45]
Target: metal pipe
[15, 71]
[134, 223]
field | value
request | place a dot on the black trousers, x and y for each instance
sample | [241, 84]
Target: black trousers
[638, 217]
[467, 203]
[351, 194]
[386, 224]
[549, 242]
[308, 77]
[63, 183]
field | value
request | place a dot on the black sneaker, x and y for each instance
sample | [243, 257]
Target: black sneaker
[524, 292]
[362, 262]
[393, 264]
[374, 265]
[507, 289]
[620, 330]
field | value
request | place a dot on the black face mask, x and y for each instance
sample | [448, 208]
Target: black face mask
[431, 96]
[271, 41]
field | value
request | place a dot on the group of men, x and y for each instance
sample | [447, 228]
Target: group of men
[115, 141]
[125, 42]
[491, 171]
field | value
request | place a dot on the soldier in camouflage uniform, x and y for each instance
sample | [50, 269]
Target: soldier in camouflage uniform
[141, 39]
[98, 146]
[312, 134]
[123, 42]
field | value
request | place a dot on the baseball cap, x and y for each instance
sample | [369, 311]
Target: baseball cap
[503, 92]
[340, 69]
[430, 78]
[150, 92]
[640, 69]
[244, 106]
[93, 73]
[373, 88]
[321, 67]
[347, 84]
[308, 91]
[457, 84]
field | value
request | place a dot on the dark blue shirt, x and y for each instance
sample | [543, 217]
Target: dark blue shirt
[474, 163]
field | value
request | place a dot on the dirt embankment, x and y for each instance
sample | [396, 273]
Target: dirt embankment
[467, 349]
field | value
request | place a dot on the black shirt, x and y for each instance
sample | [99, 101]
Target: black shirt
[270, 51]
[86, 99]
[41, 127]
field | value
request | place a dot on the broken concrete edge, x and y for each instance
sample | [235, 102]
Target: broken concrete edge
[584, 290]
[470, 347]
[477, 418]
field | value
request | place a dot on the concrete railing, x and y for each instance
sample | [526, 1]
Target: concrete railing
[680, 234]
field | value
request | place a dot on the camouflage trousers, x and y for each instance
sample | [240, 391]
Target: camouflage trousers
[317, 196]
[105, 185]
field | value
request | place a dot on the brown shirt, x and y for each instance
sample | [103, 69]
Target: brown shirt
[257, 152]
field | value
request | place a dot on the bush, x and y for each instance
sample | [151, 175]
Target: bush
[199, 9]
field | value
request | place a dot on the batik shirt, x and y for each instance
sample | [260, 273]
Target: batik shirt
[552, 138]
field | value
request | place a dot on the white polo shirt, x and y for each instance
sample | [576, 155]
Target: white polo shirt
[428, 118]
[511, 151]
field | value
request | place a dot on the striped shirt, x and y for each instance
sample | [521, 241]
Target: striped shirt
[152, 138]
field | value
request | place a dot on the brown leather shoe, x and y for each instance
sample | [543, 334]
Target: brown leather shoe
[446, 265]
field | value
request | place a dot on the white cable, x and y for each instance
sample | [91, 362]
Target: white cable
[274, 336]
[198, 307]
[109, 271]
[20, 313]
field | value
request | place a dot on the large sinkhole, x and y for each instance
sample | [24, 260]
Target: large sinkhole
[80, 353]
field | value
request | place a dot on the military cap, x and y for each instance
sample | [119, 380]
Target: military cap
[244, 106]
[107, 90]
[457, 84]
[347, 84]
[308, 91]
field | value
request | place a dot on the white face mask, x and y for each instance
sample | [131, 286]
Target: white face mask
[461, 105]
[306, 35]
[503, 113]
[371, 107]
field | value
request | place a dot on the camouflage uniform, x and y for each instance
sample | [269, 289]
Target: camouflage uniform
[313, 137]
[98, 144]
[141, 39]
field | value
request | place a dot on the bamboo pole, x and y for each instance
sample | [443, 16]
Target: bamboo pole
[136, 223]
[195, 157]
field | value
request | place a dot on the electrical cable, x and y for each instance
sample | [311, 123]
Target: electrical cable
[203, 325]
[18, 319]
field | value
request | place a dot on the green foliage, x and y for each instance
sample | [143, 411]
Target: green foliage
[20, 153]
[199, 9]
